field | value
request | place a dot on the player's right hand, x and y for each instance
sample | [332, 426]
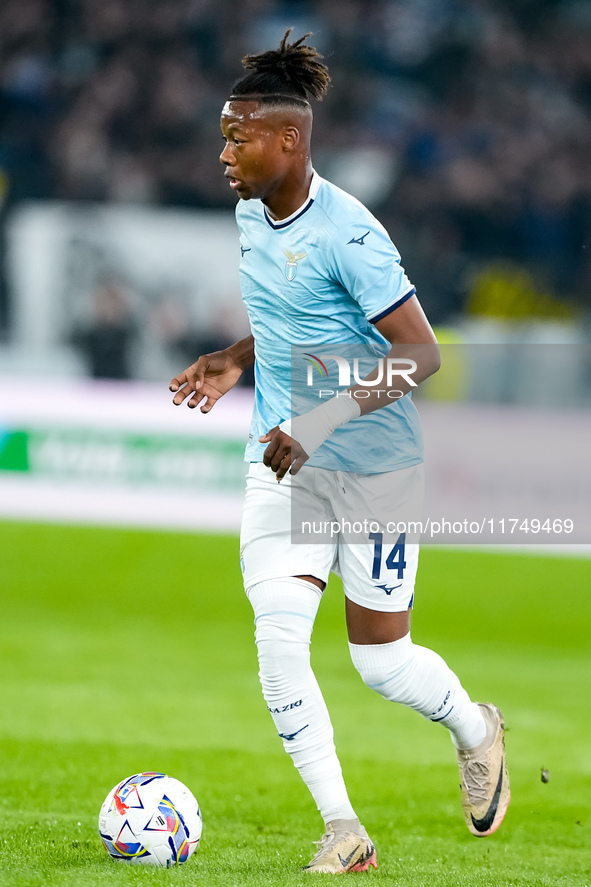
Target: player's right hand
[283, 454]
[206, 380]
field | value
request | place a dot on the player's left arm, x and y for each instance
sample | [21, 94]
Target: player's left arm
[413, 345]
[414, 353]
[373, 278]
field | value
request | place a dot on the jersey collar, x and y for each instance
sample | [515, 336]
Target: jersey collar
[283, 223]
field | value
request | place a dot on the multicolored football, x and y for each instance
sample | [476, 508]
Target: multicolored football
[150, 819]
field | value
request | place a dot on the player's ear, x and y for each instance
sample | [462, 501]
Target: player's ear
[291, 138]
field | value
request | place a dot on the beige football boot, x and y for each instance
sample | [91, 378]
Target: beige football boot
[484, 777]
[345, 847]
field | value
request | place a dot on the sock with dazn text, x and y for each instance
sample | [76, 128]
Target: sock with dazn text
[284, 611]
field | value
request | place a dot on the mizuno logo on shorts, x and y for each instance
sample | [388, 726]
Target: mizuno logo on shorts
[389, 590]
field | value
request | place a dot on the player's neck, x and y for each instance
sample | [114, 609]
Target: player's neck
[290, 196]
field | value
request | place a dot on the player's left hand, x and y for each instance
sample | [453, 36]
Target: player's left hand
[283, 453]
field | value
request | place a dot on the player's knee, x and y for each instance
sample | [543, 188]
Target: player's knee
[284, 661]
[284, 613]
[283, 649]
[386, 668]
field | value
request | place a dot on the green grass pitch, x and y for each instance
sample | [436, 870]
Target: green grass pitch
[124, 651]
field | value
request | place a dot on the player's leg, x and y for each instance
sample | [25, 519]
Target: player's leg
[379, 580]
[285, 607]
[284, 611]
[401, 671]
[404, 672]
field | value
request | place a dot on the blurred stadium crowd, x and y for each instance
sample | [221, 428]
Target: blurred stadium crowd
[464, 124]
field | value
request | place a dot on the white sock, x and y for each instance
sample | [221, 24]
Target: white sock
[284, 611]
[417, 677]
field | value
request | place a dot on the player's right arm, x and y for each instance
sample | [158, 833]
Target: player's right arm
[212, 375]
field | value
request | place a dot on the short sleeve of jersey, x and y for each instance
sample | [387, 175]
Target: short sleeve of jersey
[367, 264]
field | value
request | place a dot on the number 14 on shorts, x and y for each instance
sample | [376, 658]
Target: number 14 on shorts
[395, 558]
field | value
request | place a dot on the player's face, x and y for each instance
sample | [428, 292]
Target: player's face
[256, 154]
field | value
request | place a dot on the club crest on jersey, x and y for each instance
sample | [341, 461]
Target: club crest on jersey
[291, 266]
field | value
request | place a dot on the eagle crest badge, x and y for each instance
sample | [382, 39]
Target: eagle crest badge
[291, 266]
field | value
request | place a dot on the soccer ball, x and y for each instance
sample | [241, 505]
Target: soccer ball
[150, 819]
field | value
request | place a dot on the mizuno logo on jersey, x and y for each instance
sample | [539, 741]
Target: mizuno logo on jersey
[291, 266]
[359, 240]
[244, 249]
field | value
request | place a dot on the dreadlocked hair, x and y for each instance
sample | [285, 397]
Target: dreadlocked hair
[285, 75]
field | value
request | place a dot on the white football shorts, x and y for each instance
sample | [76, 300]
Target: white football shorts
[362, 527]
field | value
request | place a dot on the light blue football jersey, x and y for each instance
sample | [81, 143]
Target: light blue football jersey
[323, 277]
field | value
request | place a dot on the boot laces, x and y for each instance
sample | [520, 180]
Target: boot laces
[476, 776]
[327, 839]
